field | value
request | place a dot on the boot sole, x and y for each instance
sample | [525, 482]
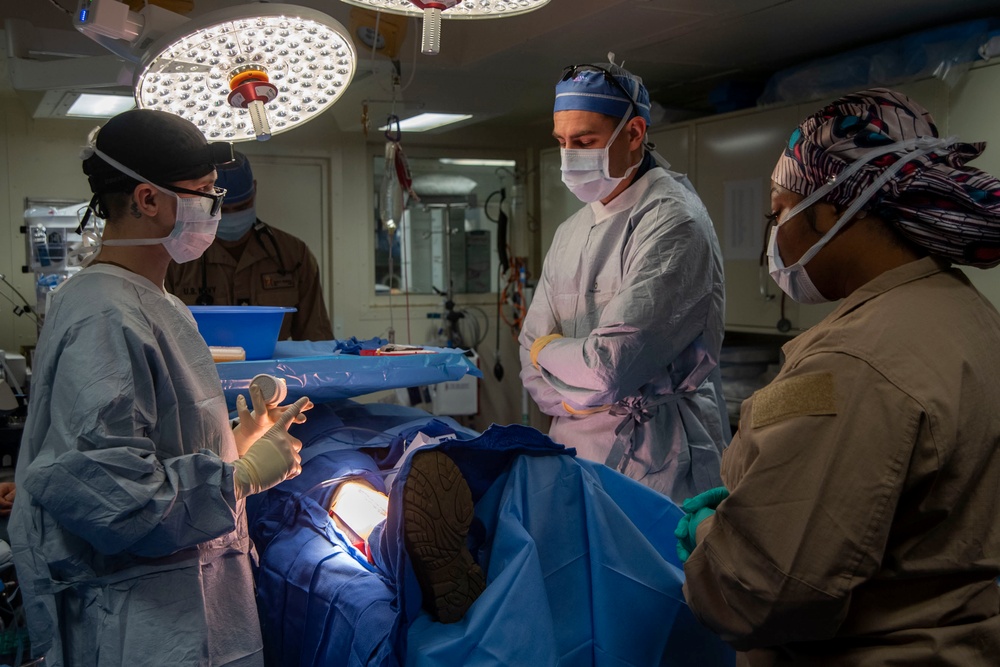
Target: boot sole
[437, 513]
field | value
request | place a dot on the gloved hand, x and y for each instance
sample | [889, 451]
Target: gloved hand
[255, 424]
[584, 411]
[709, 499]
[272, 459]
[539, 343]
[7, 493]
[696, 509]
[686, 532]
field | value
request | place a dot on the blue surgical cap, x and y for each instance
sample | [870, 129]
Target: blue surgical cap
[585, 89]
[237, 178]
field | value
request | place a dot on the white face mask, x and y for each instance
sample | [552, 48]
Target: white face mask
[794, 280]
[585, 170]
[194, 225]
[234, 225]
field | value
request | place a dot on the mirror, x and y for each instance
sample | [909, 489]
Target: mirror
[446, 241]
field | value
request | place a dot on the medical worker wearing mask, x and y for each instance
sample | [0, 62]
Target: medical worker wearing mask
[128, 530]
[860, 526]
[253, 263]
[621, 342]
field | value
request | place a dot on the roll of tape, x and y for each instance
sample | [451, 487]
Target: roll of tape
[273, 389]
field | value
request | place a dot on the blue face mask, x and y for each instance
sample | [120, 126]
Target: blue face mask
[233, 226]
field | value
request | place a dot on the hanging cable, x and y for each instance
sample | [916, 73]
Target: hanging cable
[413, 61]
[23, 308]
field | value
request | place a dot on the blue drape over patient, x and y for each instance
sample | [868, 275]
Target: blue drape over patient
[580, 561]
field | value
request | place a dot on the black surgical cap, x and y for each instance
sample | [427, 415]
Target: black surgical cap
[159, 146]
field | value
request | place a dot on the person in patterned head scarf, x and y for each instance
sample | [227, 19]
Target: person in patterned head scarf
[878, 154]
[857, 524]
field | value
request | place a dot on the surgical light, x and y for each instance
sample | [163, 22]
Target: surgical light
[434, 10]
[248, 72]
[238, 73]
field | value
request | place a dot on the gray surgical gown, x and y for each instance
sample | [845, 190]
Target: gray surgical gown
[636, 290]
[129, 543]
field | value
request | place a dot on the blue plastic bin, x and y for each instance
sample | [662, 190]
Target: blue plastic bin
[254, 328]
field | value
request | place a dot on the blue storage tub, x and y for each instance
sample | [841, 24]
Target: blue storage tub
[254, 328]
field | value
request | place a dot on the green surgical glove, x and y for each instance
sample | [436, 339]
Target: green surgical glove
[687, 529]
[696, 510]
[709, 499]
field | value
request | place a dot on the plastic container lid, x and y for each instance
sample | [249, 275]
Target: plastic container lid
[254, 328]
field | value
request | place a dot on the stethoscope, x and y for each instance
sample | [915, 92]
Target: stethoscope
[261, 230]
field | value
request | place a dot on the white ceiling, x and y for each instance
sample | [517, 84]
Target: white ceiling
[504, 70]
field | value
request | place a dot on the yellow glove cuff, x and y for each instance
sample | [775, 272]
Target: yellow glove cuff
[539, 343]
[584, 411]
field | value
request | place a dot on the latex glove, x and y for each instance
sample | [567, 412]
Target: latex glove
[585, 411]
[539, 343]
[709, 499]
[7, 492]
[272, 459]
[253, 425]
[687, 529]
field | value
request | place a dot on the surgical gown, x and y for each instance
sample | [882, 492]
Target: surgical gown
[130, 545]
[635, 287]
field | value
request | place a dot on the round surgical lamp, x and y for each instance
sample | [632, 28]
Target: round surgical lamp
[434, 10]
[248, 71]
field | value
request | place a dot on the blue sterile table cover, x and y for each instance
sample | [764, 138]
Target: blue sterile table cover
[332, 370]
[580, 561]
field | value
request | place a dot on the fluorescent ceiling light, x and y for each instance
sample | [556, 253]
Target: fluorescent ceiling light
[428, 121]
[78, 104]
[96, 105]
[475, 162]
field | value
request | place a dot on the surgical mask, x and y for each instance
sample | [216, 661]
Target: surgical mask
[794, 280]
[234, 225]
[194, 225]
[585, 170]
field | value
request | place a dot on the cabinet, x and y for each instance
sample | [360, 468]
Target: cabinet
[733, 158]
[557, 202]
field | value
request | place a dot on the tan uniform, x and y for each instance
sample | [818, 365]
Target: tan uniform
[257, 280]
[864, 522]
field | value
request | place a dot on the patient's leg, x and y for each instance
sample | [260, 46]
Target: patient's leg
[437, 512]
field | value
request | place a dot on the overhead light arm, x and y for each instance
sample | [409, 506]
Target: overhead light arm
[121, 31]
[108, 18]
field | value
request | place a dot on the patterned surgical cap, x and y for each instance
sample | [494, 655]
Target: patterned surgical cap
[935, 201]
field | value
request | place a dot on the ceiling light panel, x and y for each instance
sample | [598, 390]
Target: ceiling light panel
[427, 121]
[95, 105]
[193, 72]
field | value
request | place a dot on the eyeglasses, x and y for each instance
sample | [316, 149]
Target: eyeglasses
[217, 196]
[571, 71]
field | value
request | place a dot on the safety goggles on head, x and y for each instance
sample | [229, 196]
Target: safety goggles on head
[570, 71]
[216, 197]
